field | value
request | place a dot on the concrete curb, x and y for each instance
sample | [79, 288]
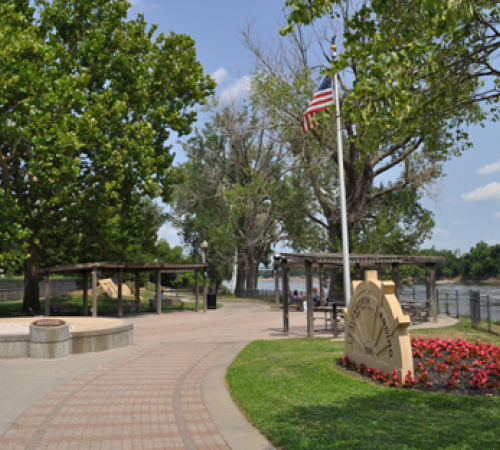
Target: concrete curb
[232, 424]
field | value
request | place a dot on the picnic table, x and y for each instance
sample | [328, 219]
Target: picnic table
[330, 312]
[418, 310]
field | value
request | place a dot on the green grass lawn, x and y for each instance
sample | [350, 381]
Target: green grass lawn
[293, 392]
[14, 308]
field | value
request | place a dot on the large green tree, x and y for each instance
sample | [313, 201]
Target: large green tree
[242, 187]
[87, 102]
[381, 166]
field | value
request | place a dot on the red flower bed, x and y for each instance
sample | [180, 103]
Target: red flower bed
[444, 365]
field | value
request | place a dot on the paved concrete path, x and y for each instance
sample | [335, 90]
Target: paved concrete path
[167, 391]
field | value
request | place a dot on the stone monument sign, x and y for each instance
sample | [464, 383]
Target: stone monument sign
[376, 328]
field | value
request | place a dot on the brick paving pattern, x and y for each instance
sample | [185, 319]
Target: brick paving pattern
[151, 400]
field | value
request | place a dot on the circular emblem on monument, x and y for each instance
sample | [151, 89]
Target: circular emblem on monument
[376, 328]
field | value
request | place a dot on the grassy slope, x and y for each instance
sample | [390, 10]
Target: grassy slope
[13, 308]
[292, 391]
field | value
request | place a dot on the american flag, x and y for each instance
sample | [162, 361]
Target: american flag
[322, 98]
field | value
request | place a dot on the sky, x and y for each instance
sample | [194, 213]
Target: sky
[467, 205]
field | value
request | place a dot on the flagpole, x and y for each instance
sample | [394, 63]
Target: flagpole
[343, 212]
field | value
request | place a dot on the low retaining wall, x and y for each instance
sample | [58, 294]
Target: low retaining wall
[89, 341]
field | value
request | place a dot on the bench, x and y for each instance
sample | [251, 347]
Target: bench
[165, 302]
[63, 308]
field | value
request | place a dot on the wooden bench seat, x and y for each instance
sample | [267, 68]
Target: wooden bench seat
[63, 308]
[166, 302]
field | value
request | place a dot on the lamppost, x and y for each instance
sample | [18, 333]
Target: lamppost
[204, 247]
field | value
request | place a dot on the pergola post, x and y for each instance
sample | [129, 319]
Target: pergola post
[395, 278]
[276, 289]
[137, 291]
[205, 290]
[47, 293]
[85, 293]
[428, 288]
[321, 289]
[120, 293]
[284, 275]
[94, 291]
[197, 290]
[158, 291]
[434, 293]
[310, 312]
[379, 270]
[358, 271]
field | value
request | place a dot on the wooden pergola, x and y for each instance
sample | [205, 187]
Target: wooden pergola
[320, 261]
[119, 269]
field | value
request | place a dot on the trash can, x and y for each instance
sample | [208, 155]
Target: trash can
[212, 301]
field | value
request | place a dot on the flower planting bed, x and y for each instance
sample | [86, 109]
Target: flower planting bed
[453, 366]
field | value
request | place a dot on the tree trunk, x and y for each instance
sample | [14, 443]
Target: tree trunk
[252, 275]
[241, 273]
[31, 288]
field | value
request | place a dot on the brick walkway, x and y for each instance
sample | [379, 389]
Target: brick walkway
[147, 401]
[150, 396]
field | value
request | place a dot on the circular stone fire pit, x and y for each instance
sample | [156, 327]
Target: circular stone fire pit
[49, 338]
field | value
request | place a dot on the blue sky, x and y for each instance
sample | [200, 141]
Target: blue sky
[467, 209]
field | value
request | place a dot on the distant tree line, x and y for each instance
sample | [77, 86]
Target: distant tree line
[482, 261]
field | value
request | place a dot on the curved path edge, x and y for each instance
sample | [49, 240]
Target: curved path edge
[234, 427]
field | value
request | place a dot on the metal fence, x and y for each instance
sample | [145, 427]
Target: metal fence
[13, 289]
[485, 312]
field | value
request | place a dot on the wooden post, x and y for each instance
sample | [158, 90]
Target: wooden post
[379, 270]
[94, 291]
[434, 294]
[284, 275]
[428, 288]
[197, 290]
[120, 292]
[158, 291]
[137, 292]
[276, 289]
[47, 293]
[85, 293]
[358, 271]
[395, 278]
[321, 289]
[310, 312]
[204, 289]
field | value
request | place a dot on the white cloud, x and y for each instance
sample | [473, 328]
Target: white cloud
[239, 88]
[220, 75]
[441, 231]
[489, 168]
[461, 222]
[489, 192]
[496, 215]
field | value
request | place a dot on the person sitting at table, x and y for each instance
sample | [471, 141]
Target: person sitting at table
[316, 301]
[296, 298]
